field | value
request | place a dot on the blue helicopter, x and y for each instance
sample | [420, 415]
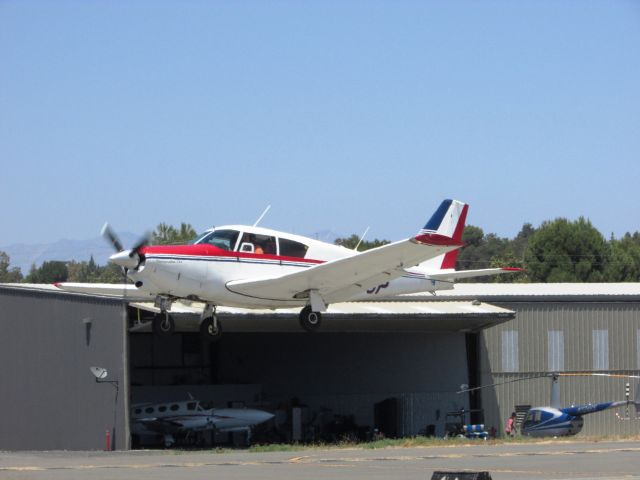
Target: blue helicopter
[555, 420]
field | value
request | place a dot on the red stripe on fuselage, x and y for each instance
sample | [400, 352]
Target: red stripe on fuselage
[206, 250]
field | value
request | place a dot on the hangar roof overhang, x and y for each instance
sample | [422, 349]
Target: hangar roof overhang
[538, 292]
[386, 316]
[394, 315]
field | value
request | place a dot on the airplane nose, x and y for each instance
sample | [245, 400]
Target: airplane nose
[125, 259]
[261, 416]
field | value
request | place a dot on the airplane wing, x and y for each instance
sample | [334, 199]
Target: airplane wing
[341, 279]
[454, 275]
[161, 425]
[121, 290]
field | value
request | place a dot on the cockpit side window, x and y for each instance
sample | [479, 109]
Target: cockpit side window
[224, 239]
[290, 248]
[261, 243]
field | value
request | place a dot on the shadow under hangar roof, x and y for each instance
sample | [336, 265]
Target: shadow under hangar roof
[400, 314]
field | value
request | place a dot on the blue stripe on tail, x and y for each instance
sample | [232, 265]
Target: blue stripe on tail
[436, 219]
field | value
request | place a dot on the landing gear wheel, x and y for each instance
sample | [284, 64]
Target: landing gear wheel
[163, 324]
[209, 330]
[310, 320]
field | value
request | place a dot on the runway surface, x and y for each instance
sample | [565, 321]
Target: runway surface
[549, 460]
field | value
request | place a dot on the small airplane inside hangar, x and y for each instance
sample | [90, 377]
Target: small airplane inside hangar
[391, 365]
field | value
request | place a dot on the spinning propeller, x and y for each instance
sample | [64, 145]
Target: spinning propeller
[127, 259]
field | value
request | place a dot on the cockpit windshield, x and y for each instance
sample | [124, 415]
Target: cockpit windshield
[224, 239]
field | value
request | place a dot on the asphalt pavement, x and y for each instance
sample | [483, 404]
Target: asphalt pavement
[546, 460]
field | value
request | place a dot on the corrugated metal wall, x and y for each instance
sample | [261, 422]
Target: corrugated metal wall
[575, 336]
[49, 398]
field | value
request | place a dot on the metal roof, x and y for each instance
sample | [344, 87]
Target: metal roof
[538, 292]
[393, 315]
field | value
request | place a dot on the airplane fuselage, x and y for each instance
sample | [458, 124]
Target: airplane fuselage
[202, 271]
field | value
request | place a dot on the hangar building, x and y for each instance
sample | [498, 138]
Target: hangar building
[564, 327]
[394, 364]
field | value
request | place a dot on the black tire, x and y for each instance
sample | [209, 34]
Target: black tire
[310, 320]
[208, 332]
[163, 325]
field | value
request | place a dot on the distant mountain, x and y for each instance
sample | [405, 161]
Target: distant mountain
[25, 255]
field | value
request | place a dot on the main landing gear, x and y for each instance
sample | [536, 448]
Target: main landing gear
[210, 328]
[310, 320]
[163, 324]
[310, 316]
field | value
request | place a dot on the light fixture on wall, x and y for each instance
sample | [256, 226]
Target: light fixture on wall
[100, 374]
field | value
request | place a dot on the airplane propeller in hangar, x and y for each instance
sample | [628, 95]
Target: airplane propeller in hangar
[554, 420]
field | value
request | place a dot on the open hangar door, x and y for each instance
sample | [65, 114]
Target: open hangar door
[390, 366]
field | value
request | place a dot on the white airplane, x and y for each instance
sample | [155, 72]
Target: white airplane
[252, 267]
[188, 418]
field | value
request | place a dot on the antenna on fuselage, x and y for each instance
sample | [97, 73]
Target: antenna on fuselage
[263, 214]
[361, 238]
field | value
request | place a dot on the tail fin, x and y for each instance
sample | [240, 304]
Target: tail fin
[448, 220]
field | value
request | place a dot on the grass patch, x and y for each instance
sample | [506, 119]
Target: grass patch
[421, 441]
[409, 442]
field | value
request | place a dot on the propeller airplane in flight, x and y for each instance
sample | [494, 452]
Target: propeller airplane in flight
[253, 267]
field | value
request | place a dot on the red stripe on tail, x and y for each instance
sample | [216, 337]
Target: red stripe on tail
[450, 258]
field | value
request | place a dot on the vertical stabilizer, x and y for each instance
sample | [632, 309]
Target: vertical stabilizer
[448, 220]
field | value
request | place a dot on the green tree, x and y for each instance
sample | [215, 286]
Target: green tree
[352, 240]
[112, 273]
[49, 272]
[84, 272]
[480, 249]
[165, 234]
[624, 259]
[7, 274]
[565, 251]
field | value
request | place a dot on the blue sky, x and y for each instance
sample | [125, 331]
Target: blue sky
[339, 114]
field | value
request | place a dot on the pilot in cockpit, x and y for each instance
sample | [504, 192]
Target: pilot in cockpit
[251, 238]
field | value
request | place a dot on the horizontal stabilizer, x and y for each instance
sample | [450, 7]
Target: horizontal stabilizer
[454, 275]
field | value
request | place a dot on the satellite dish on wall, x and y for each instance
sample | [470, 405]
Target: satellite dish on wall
[99, 372]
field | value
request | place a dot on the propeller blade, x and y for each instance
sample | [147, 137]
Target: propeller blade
[111, 237]
[142, 242]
